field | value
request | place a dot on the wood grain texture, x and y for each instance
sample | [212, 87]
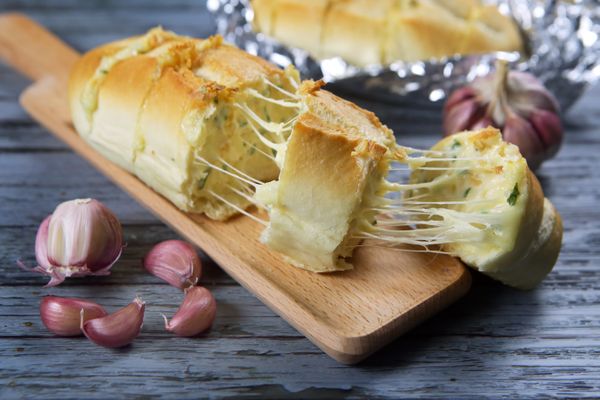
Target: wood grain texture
[495, 342]
[349, 315]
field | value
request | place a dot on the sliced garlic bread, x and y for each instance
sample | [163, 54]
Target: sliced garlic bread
[367, 32]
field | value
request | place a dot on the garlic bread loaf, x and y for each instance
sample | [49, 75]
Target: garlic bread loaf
[367, 32]
[162, 106]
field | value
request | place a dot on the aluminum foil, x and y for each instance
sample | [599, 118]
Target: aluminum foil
[563, 38]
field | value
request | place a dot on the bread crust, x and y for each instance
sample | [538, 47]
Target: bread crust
[538, 259]
[299, 23]
[81, 72]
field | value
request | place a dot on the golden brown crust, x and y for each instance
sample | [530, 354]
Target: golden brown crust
[356, 30]
[83, 69]
[299, 23]
[353, 120]
[231, 67]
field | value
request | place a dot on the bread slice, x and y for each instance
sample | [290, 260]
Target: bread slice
[334, 160]
[162, 105]
[493, 191]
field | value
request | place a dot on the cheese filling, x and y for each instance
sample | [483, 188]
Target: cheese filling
[466, 198]
[253, 128]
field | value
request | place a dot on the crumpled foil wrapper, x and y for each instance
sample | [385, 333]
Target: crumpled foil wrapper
[563, 39]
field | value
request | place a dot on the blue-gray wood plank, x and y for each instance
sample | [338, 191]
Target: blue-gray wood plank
[495, 342]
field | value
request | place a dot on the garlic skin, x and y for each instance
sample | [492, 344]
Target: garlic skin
[117, 329]
[195, 315]
[62, 315]
[515, 102]
[81, 237]
[174, 261]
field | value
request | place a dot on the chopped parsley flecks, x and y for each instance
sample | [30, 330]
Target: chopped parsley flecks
[467, 192]
[202, 181]
[512, 199]
[455, 145]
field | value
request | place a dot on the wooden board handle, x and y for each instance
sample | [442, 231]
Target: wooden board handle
[33, 50]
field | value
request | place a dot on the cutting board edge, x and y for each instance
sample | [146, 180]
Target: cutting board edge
[371, 342]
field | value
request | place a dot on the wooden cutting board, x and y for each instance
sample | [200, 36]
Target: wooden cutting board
[349, 315]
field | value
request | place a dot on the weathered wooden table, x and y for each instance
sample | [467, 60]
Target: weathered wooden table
[496, 341]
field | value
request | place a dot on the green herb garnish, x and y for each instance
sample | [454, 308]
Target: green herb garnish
[202, 181]
[512, 199]
[267, 116]
[455, 145]
[467, 192]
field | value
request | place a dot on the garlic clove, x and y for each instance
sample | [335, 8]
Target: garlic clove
[482, 123]
[549, 128]
[62, 315]
[117, 329]
[520, 132]
[81, 237]
[460, 116]
[175, 262]
[526, 92]
[195, 315]
[458, 96]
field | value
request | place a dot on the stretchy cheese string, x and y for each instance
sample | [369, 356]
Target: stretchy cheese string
[431, 223]
[238, 208]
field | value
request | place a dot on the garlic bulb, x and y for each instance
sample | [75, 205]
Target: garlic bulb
[175, 262]
[515, 102]
[82, 237]
[117, 329]
[195, 315]
[62, 315]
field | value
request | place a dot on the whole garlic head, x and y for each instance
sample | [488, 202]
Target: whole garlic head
[82, 237]
[516, 103]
